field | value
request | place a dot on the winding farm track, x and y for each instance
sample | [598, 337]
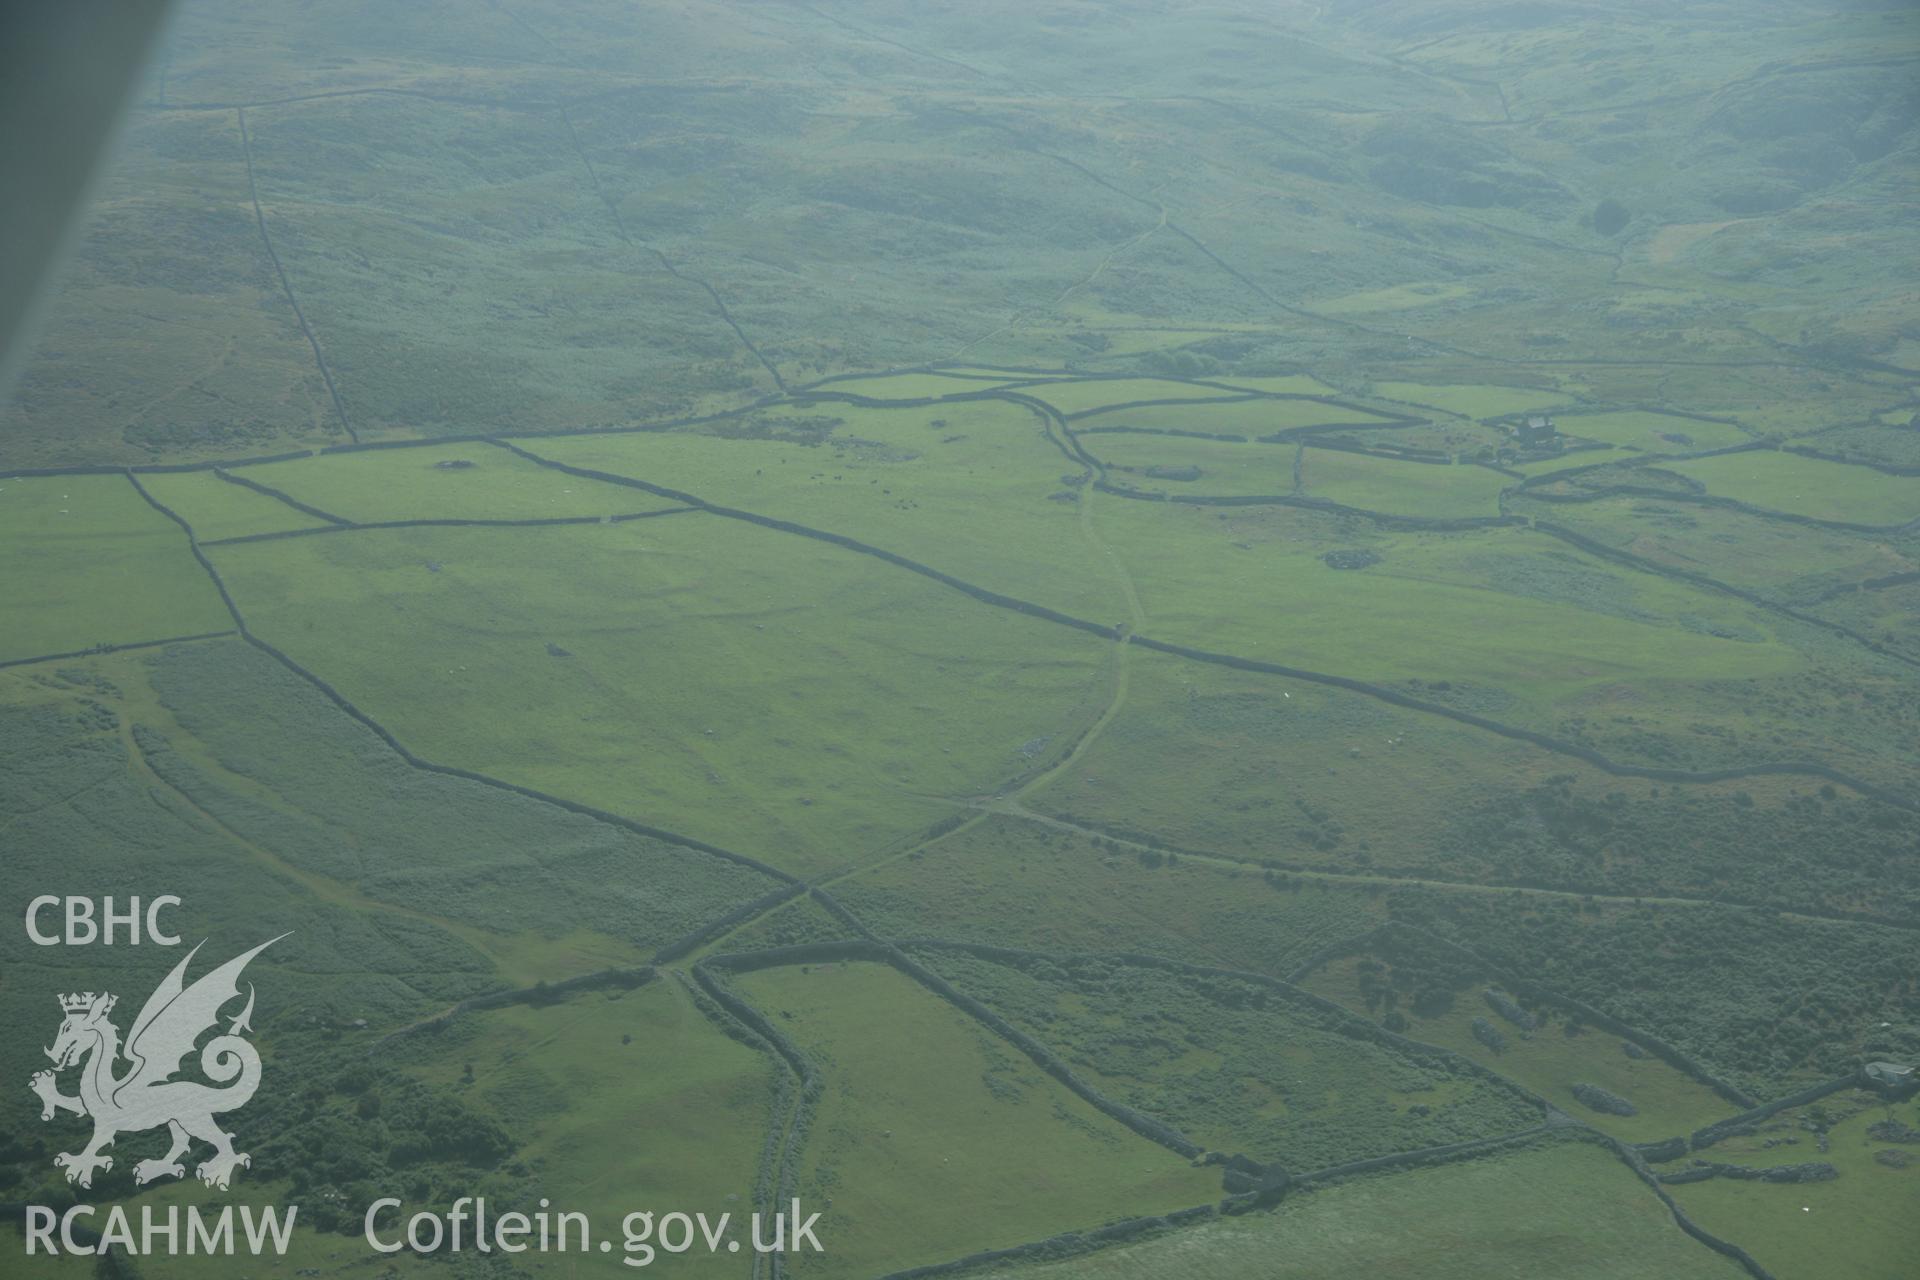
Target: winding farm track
[1008, 803]
[1060, 432]
[1367, 688]
[788, 889]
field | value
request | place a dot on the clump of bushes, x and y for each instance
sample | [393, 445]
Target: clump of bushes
[1597, 1099]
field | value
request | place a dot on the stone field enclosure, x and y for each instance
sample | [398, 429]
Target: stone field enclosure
[1125, 638]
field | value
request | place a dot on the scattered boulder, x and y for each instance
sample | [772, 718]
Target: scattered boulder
[1633, 1050]
[1350, 559]
[555, 651]
[1597, 1099]
[1266, 1183]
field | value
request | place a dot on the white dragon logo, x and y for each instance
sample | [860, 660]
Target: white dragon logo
[146, 1096]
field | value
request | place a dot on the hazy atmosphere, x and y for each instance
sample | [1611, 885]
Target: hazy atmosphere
[1090, 638]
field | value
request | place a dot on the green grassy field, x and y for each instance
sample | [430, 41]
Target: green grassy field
[1808, 487]
[454, 481]
[1400, 488]
[1290, 384]
[1651, 432]
[1472, 401]
[668, 243]
[912, 386]
[908, 1149]
[1253, 583]
[1566, 461]
[1252, 418]
[1566, 1209]
[903, 479]
[90, 563]
[607, 685]
[219, 508]
[620, 1101]
[546, 892]
[1858, 1224]
[1093, 394]
[1223, 468]
[1792, 563]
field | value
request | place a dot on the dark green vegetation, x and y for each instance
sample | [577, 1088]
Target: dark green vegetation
[950, 611]
[1240, 1065]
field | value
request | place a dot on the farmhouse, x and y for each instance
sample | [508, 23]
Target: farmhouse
[1890, 1077]
[1534, 431]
